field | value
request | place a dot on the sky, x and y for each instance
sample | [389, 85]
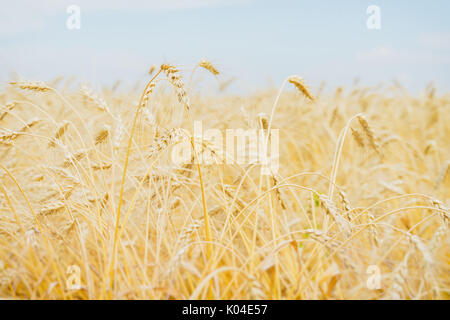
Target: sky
[258, 42]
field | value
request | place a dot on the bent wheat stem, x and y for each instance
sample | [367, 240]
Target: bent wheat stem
[122, 184]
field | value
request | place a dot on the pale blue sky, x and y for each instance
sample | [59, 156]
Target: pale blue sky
[255, 41]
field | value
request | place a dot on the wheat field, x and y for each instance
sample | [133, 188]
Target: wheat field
[93, 207]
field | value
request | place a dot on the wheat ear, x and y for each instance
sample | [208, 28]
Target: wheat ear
[206, 64]
[299, 83]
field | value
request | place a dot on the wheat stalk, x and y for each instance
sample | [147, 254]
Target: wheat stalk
[175, 79]
[7, 109]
